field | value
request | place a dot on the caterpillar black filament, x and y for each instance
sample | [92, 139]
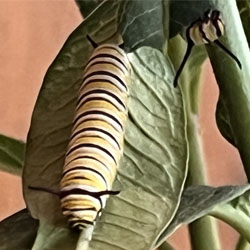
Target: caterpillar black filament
[203, 31]
[96, 142]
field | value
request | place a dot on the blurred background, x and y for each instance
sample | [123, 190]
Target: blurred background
[32, 33]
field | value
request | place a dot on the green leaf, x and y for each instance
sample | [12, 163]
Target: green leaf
[233, 82]
[87, 6]
[223, 120]
[197, 201]
[244, 9]
[11, 155]
[132, 19]
[50, 237]
[153, 168]
[236, 213]
[18, 231]
[54, 110]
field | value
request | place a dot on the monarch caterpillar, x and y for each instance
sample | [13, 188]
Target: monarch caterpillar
[96, 142]
[203, 31]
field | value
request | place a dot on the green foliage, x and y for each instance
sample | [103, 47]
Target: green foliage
[236, 213]
[87, 6]
[11, 155]
[18, 231]
[233, 83]
[198, 201]
[162, 141]
[130, 20]
[51, 237]
[149, 199]
[244, 9]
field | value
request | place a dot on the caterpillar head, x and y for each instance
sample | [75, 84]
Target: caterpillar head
[206, 29]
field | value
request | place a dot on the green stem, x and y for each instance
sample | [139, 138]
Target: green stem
[229, 215]
[242, 244]
[203, 232]
[165, 246]
[84, 239]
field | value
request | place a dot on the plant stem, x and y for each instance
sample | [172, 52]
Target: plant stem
[84, 239]
[242, 244]
[230, 215]
[165, 246]
[203, 232]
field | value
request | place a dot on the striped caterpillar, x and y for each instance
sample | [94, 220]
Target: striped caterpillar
[203, 31]
[96, 143]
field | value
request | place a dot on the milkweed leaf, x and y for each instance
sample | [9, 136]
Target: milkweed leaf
[131, 20]
[233, 116]
[223, 117]
[147, 171]
[153, 169]
[18, 231]
[50, 237]
[11, 155]
[134, 15]
[87, 6]
[244, 9]
[197, 201]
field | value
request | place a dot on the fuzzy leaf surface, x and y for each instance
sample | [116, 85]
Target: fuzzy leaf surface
[244, 9]
[153, 168]
[198, 201]
[131, 19]
[233, 110]
[18, 231]
[153, 163]
[11, 155]
[87, 6]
